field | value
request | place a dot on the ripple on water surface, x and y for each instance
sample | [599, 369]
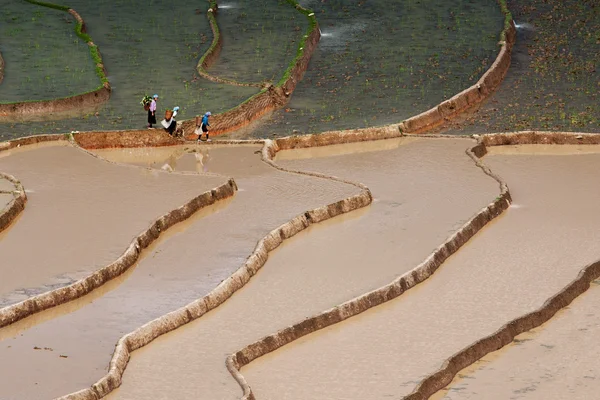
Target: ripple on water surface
[325, 265]
[508, 269]
[556, 361]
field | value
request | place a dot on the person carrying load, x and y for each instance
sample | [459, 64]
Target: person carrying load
[169, 122]
[152, 111]
[203, 126]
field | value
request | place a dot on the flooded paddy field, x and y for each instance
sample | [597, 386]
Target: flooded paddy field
[423, 190]
[558, 360]
[435, 188]
[380, 62]
[182, 268]
[508, 269]
[81, 214]
[34, 41]
[553, 81]
[376, 63]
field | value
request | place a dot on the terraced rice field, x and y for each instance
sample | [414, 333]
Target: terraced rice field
[357, 264]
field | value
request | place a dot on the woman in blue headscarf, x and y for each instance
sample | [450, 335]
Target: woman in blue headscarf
[204, 127]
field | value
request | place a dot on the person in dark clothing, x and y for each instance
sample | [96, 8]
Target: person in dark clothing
[204, 127]
[152, 112]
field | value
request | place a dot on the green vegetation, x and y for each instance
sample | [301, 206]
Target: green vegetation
[300, 52]
[508, 18]
[93, 49]
[216, 34]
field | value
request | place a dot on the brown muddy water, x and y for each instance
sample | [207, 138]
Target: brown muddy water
[510, 268]
[184, 267]
[559, 360]
[5, 199]
[81, 214]
[423, 189]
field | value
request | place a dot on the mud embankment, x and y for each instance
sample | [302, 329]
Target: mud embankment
[66, 233]
[304, 277]
[335, 343]
[12, 199]
[556, 361]
[209, 251]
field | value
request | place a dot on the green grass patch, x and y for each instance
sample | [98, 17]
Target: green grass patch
[95, 54]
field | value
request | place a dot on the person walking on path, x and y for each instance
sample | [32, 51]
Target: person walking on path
[204, 127]
[152, 112]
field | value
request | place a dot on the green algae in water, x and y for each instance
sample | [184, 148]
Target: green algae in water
[379, 62]
[44, 57]
[260, 38]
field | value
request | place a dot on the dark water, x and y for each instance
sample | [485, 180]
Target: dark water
[553, 82]
[35, 42]
[377, 63]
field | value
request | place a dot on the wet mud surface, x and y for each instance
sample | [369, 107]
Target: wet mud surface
[510, 268]
[423, 191]
[81, 214]
[184, 267]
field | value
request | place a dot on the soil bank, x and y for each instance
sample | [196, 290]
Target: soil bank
[511, 267]
[183, 268]
[423, 190]
[81, 214]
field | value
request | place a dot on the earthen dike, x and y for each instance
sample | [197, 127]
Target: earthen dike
[252, 109]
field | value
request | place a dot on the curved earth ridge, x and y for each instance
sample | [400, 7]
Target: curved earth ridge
[213, 52]
[378, 296]
[477, 350]
[170, 321]
[84, 100]
[507, 333]
[271, 98]
[479, 150]
[17, 204]
[53, 298]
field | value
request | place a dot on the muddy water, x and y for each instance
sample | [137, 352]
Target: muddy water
[558, 360]
[4, 200]
[81, 214]
[423, 190]
[183, 268]
[6, 185]
[6, 197]
[508, 269]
